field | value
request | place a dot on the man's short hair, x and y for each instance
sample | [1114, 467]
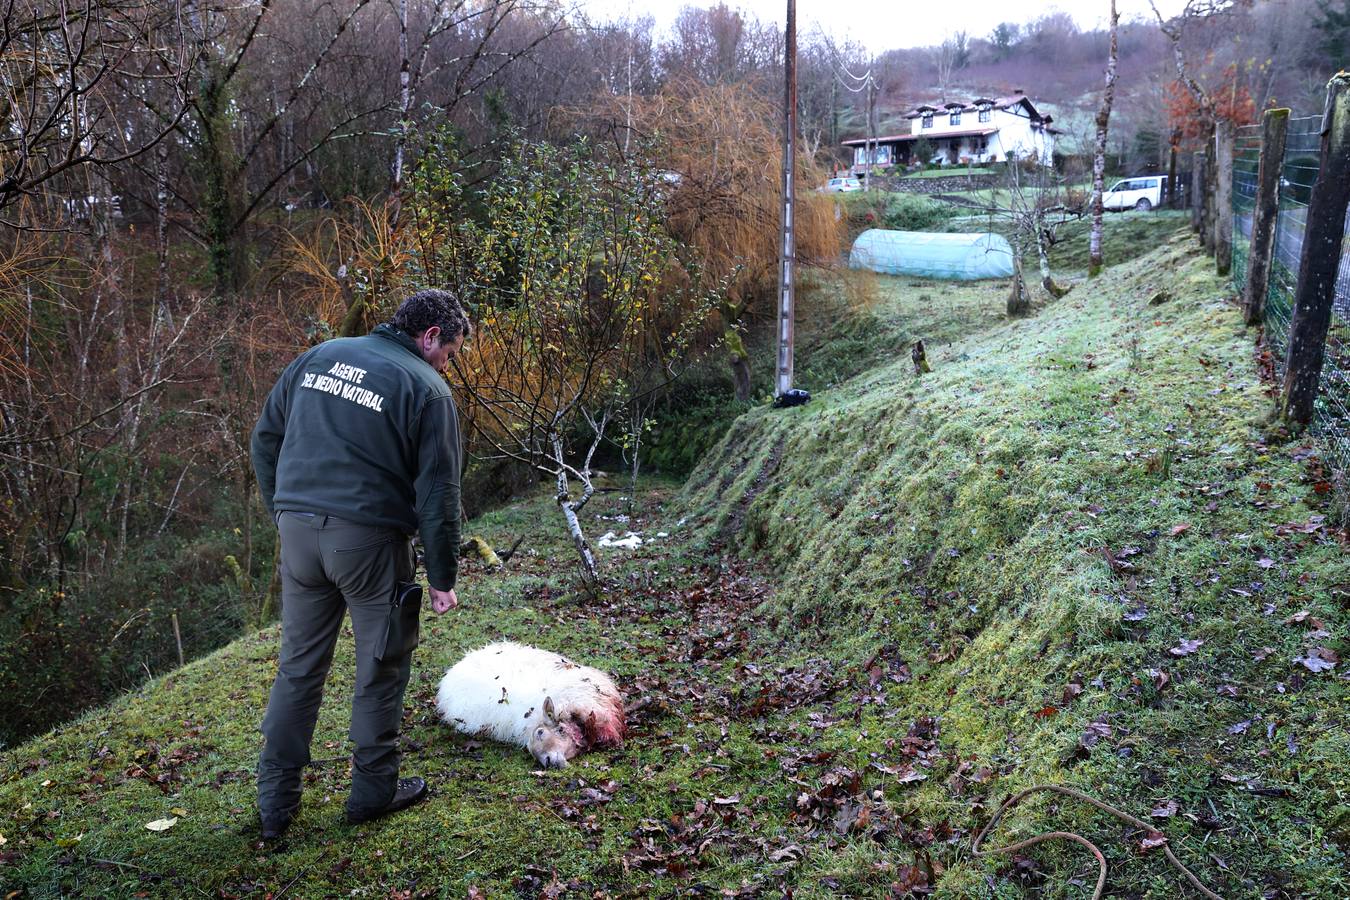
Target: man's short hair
[431, 307]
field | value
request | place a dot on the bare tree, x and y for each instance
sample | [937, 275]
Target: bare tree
[719, 45]
[1034, 211]
[1174, 29]
[584, 309]
[1099, 152]
[944, 63]
[63, 83]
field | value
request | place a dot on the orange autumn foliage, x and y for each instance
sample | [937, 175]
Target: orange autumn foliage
[1230, 97]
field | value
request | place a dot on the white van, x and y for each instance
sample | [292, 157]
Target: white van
[842, 184]
[1141, 193]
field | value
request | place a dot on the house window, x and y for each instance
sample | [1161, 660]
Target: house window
[956, 117]
[985, 114]
[927, 120]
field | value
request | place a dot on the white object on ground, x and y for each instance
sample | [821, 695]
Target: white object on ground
[630, 541]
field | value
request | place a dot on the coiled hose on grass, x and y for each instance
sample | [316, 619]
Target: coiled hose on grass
[1070, 836]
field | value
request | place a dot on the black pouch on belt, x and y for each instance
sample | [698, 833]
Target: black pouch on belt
[403, 628]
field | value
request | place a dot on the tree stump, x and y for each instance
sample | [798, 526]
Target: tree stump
[920, 358]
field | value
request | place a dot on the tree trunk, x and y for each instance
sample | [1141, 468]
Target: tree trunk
[215, 158]
[110, 285]
[740, 364]
[1043, 257]
[161, 225]
[1019, 303]
[740, 373]
[404, 118]
[1099, 154]
[589, 571]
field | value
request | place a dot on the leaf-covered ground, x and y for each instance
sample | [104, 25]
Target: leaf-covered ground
[1069, 555]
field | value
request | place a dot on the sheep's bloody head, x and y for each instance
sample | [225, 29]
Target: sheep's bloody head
[553, 743]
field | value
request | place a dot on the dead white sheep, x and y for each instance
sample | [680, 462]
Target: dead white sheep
[536, 699]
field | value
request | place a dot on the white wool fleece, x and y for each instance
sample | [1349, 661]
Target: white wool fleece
[498, 692]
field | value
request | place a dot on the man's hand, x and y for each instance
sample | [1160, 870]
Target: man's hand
[443, 601]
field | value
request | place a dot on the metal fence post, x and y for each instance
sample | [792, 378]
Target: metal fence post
[1274, 131]
[1223, 188]
[1321, 259]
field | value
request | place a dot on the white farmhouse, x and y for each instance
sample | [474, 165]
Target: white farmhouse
[983, 130]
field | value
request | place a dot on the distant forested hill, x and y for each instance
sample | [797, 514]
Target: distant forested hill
[1281, 52]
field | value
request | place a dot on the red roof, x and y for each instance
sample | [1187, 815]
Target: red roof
[899, 138]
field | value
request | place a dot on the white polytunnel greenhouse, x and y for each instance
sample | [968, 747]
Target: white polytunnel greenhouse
[961, 257]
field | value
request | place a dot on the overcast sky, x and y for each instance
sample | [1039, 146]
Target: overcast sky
[889, 24]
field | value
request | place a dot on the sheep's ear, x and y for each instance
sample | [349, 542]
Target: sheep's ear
[549, 714]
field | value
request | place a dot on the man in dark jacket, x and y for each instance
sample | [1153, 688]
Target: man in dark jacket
[357, 448]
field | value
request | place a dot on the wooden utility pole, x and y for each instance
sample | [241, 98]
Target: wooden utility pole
[1320, 259]
[787, 268]
[871, 124]
[1274, 129]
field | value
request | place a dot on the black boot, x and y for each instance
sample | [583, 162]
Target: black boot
[274, 825]
[408, 792]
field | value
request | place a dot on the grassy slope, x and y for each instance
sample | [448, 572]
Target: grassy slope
[958, 523]
[932, 550]
[1125, 235]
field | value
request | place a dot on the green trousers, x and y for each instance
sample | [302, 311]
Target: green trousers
[328, 566]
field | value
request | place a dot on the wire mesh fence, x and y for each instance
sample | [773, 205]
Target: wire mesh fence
[1178, 191]
[1331, 414]
[1246, 158]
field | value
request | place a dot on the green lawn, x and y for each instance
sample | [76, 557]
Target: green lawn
[1070, 555]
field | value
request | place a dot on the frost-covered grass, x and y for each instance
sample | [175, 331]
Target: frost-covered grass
[1126, 236]
[1063, 504]
[868, 623]
[847, 322]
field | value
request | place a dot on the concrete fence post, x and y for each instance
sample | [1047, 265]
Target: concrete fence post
[1172, 177]
[1274, 133]
[1198, 194]
[1224, 135]
[1320, 260]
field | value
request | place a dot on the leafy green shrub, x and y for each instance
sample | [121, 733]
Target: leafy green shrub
[913, 212]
